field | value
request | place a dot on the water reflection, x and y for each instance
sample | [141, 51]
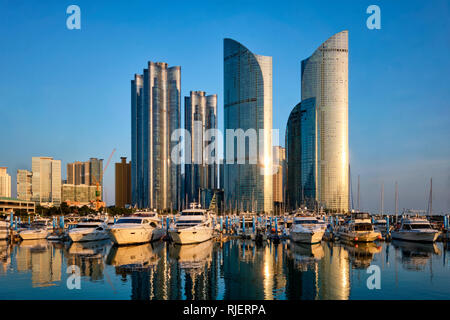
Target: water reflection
[39, 258]
[236, 269]
[89, 256]
[361, 254]
[415, 256]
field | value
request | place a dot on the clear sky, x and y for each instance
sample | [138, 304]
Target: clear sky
[66, 93]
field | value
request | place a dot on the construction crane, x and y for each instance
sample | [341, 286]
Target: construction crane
[97, 183]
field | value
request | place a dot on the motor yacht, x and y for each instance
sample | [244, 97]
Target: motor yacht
[415, 229]
[306, 229]
[358, 229]
[142, 227]
[89, 230]
[36, 231]
[193, 225]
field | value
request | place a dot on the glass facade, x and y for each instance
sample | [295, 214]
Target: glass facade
[46, 180]
[155, 113]
[248, 105]
[199, 172]
[325, 78]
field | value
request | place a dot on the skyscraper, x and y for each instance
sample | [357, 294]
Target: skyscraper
[155, 114]
[46, 180]
[24, 179]
[200, 170]
[278, 178]
[317, 131]
[5, 183]
[123, 183]
[248, 105]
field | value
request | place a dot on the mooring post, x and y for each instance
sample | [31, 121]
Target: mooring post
[243, 225]
[253, 225]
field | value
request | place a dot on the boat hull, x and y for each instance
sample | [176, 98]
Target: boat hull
[126, 236]
[33, 235]
[360, 237]
[306, 237]
[415, 236]
[191, 235]
[88, 236]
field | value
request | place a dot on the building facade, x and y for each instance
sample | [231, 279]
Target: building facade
[279, 155]
[248, 105]
[155, 114]
[317, 130]
[123, 183]
[24, 180]
[201, 167]
[85, 172]
[78, 194]
[5, 183]
[46, 181]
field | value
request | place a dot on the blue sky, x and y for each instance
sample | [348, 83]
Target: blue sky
[66, 93]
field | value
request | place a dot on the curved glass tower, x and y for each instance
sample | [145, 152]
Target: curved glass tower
[325, 78]
[248, 105]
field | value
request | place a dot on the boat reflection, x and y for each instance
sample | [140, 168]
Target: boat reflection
[135, 257]
[361, 254]
[306, 256]
[415, 255]
[89, 256]
[193, 258]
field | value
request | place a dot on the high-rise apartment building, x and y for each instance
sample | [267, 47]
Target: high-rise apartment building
[317, 130]
[123, 183]
[46, 180]
[5, 183]
[279, 155]
[201, 167]
[85, 172]
[248, 105]
[24, 180]
[155, 114]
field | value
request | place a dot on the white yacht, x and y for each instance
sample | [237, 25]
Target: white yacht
[4, 230]
[193, 225]
[89, 230]
[142, 227]
[306, 229]
[415, 229]
[37, 231]
[359, 229]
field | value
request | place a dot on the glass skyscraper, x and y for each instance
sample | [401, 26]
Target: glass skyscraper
[248, 105]
[155, 113]
[46, 180]
[200, 116]
[317, 132]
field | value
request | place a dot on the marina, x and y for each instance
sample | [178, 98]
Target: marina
[198, 254]
[235, 269]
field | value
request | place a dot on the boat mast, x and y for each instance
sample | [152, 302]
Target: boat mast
[357, 201]
[382, 198]
[396, 201]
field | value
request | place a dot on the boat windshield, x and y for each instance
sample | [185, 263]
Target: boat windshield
[86, 226]
[363, 227]
[192, 213]
[420, 226]
[135, 221]
[306, 222]
[188, 223]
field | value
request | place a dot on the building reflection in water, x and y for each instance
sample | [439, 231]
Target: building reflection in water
[42, 259]
[88, 256]
[334, 273]
[5, 258]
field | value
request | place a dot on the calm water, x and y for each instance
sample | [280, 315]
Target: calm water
[236, 269]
